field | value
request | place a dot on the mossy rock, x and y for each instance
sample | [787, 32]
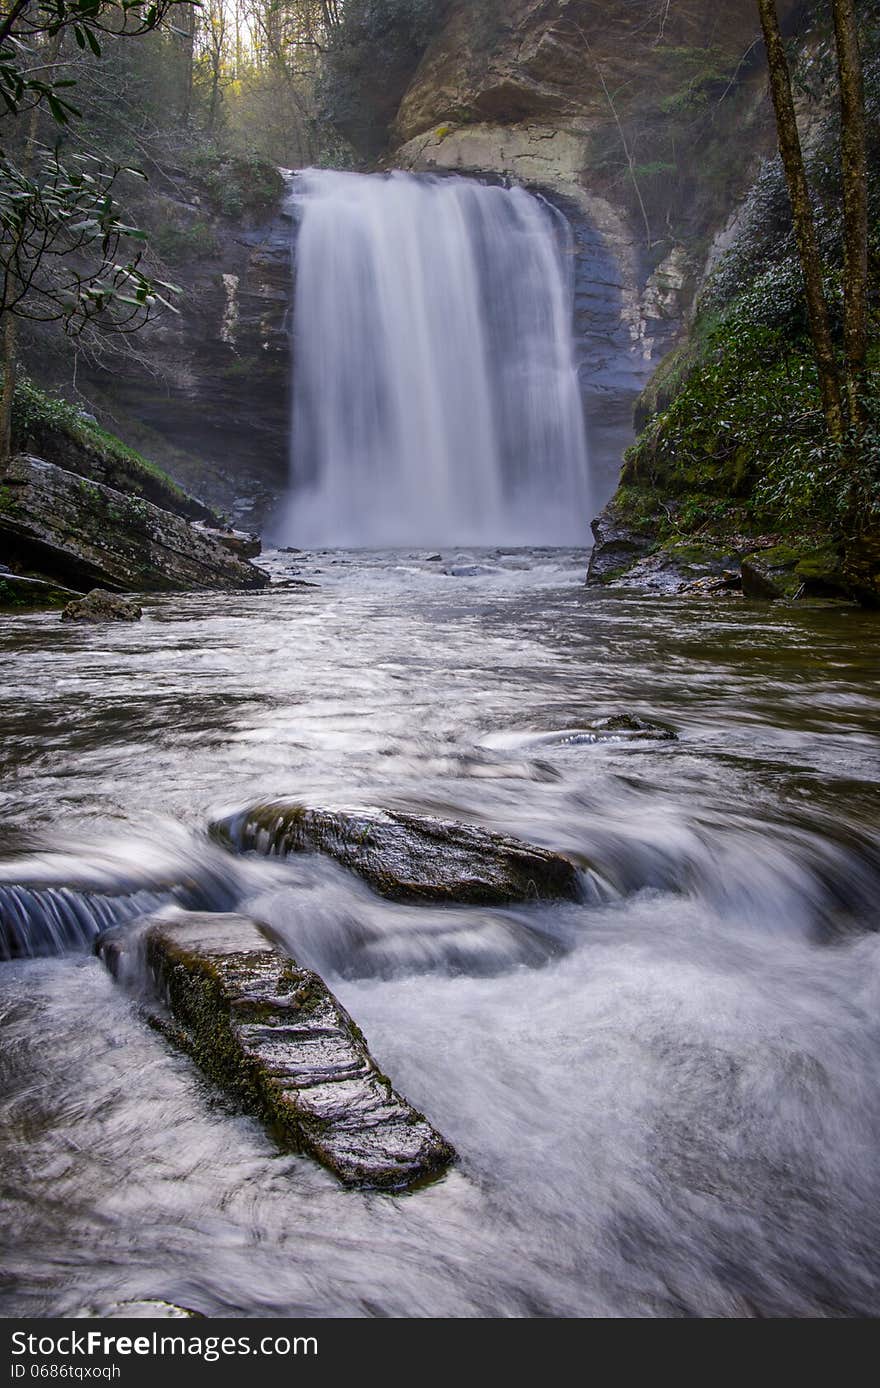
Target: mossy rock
[274, 1037]
[408, 857]
[80, 531]
[789, 570]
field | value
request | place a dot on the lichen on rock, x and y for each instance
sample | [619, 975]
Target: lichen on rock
[274, 1036]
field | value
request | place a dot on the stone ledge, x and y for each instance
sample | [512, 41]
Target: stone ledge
[273, 1035]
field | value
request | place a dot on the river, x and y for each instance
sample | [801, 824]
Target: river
[665, 1102]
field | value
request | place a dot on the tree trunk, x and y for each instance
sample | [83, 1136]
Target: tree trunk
[6, 399]
[802, 217]
[188, 35]
[854, 173]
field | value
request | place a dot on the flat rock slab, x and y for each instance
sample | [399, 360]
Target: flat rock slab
[273, 1035]
[88, 533]
[408, 857]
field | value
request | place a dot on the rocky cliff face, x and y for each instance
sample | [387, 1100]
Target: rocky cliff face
[639, 119]
[207, 393]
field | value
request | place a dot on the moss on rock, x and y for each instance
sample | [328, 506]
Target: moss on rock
[273, 1035]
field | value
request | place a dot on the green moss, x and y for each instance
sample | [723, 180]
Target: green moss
[52, 426]
[732, 434]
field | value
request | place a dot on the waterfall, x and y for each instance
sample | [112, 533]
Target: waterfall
[436, 398]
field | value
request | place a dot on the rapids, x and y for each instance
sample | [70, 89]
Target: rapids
[664, 1099]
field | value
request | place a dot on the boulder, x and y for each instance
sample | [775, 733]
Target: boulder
[408, 857]
[275, 1037]
[240, 542]
[618, 546]
[861, 566]
[760, 581]
[101, 606]
[78, 530]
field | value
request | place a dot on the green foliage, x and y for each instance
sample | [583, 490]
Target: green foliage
[744, 430]
[176, 240]
[733, 418]
[696, 72]
[22, 80]
[236, 185]
[60, 236]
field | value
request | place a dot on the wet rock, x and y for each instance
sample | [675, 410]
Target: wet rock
[686, 566]
[74, 529]
[275, 1037]
[760, 581]
[861, 567]
[711, 585]
[140, 1310]
[408, 857]
[617, 547]
[101, 606]
[630, 728]
[240, 542]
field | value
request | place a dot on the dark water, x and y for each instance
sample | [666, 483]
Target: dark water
[665, 1102]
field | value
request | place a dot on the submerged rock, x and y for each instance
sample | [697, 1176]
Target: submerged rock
[274, 1036]
[468, 571]
[139, 1310]
[81, 531]
[629, 728]
[408, 857]
[101, 606]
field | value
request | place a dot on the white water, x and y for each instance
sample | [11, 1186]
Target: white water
[436, 399]
[665, 1103]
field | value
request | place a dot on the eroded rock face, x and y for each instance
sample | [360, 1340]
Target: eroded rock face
[80, 531]
[274, 1036]
[101, 606]
[221, 403]
[554, 61]
[408, 857]
[617, 546]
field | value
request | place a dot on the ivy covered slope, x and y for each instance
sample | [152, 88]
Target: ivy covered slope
[733, 470]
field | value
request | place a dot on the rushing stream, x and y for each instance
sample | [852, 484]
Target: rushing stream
[665, 1100]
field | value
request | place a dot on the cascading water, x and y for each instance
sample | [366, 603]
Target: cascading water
[436, 399]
